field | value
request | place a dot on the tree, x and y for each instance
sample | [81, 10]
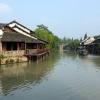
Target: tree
[44, 33]
[72, 44]
[85, 36]
[81, 40]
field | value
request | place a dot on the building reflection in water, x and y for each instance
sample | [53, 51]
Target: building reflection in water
[22, 74]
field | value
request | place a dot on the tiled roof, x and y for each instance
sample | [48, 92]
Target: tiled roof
[88, 41]
[17, 37]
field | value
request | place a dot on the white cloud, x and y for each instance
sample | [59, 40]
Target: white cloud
[4, 8]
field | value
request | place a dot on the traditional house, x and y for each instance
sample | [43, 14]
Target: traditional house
[92, 44]
[17, 40]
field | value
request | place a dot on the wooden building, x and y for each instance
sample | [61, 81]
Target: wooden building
[92, 44]
[18, 40]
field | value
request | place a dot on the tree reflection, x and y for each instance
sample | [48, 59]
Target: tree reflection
[18, 75]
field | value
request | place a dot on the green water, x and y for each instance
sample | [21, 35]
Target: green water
[65, 76]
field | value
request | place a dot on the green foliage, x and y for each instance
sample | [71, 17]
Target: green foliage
[97, 37]
[7, 61]
[71, 44]
[64, 40]
[44, 33]
[11, 61]
[81, 40]
[2, 56]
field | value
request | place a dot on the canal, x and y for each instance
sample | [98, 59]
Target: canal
[64, 76]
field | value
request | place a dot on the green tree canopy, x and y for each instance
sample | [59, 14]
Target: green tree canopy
[44, 33]
[72, 44]
[85, 36]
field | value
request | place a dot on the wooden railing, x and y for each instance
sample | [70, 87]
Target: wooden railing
[23, 52]
[36, 51]
[42, 50]
[31, 51]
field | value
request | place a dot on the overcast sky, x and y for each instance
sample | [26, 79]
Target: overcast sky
[70, 18]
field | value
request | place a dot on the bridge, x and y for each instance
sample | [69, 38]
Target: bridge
[62, 47]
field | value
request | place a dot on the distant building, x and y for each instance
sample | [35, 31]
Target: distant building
[92, 44]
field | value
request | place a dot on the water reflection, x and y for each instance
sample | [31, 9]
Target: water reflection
[65, 76]
[94, 59]
[89, 59]
[18, 75]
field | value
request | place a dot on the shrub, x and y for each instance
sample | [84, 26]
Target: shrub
[11, 61]
[2, 56]
[7, 61]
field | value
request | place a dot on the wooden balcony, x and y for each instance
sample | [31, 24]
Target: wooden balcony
[34, 52]
[28, 52]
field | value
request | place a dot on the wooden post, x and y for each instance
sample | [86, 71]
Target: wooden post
[4, 47]
[25, 46]
[37, 48]
[93, 48]
[11, 46]
[25, 49]
[18, 46]
[0, 46]
[37, 59]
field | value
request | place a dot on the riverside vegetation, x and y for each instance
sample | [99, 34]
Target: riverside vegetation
[44, 33]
